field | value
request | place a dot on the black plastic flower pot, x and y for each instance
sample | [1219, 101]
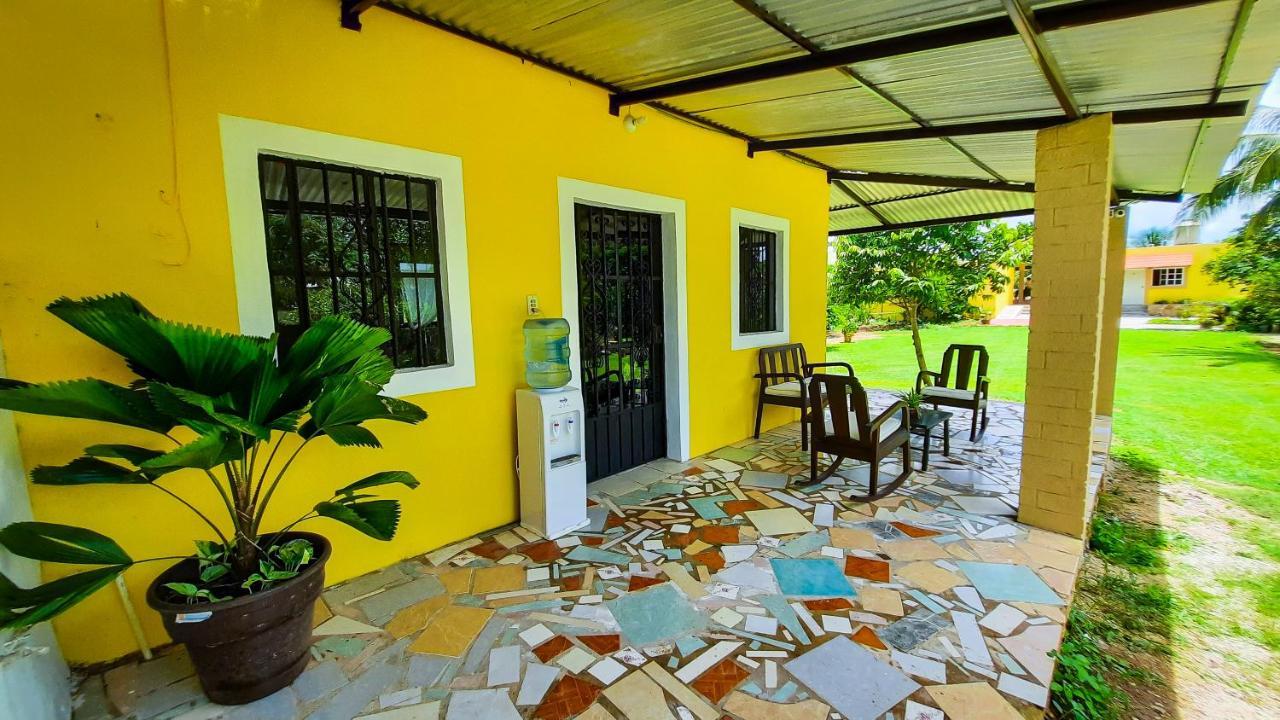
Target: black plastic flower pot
[249, 647]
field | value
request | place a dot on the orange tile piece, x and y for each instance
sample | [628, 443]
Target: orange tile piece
[723, 677]
[548, 650]
[571, 583]
[877, 570]
[828, 604]
[736, 507]
[541, 552]
[592, 541]
[711, 558]
[491, 549]
[913, 531]
[640, 582]
[566, 698]
[868, 637]
[602, 644]
[719, 534]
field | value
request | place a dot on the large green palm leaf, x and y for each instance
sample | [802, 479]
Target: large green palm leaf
[207, 361]
[88, 399]
[1255, 175]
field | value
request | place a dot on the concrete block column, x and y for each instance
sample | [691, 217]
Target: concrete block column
[1072, 211]
[1112, 302]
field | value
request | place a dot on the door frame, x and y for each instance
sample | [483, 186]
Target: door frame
[675, 291]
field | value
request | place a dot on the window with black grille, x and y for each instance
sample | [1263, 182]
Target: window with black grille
[345, 240]
[757, 280]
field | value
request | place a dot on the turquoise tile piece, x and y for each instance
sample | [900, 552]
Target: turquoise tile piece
[655, 614]
[737, 454]
[587, 553]
[689, 645]
[926, 601]
[819, 577]
[778, 607]
[805, 544]
[707, 507]
[1008, 583]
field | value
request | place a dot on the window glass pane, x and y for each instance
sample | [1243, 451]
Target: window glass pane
[757, 280]
[358, 243]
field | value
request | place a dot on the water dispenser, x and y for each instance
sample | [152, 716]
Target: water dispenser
[553, 472]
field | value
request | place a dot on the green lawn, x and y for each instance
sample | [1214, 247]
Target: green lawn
[1204, 404]
[1204, 407]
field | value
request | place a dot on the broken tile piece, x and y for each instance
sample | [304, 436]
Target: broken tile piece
[638, 697]
[780, 521]
[851, 679]
[537, 680]
[504, 665]
[451, 631]
[811, 577]
[880, 600]
[576, 660]
[607, 670]
[972, 701]
[655, 614]
[340, 625]
[749, 708]
[481, 705]
[1003, 620]
[1013, 583]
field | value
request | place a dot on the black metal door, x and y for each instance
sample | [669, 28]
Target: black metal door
[620, 331]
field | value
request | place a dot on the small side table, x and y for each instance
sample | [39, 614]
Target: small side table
[923, 424]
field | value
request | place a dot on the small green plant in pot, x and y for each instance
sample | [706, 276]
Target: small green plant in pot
[912, 399]
[234, 411]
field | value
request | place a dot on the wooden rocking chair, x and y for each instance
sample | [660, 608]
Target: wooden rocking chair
[967, 390]
[784, 380]
[850, 432]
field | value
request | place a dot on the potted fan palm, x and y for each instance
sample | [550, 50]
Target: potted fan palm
[234, 411]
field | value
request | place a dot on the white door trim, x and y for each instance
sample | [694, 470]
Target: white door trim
[675, 290]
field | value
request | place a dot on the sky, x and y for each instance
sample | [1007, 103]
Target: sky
[1146, 215]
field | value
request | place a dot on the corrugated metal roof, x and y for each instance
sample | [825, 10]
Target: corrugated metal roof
[1164, 55]
[832, 24]
[629, 43]
[1156, 59]
[978, 81]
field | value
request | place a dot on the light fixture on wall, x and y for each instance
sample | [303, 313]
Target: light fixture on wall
[631, 122]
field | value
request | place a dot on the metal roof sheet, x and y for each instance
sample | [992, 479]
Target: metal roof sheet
[1151, 60]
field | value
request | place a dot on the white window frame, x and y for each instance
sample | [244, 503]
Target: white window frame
[780, 226]
[244, 139]
[675, 291]
[1182, 277]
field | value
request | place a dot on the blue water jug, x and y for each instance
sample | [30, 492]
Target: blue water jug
[546, 353]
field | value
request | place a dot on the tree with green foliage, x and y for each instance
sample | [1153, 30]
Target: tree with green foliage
[930, 273]
[1153, 237]
[1252, 261]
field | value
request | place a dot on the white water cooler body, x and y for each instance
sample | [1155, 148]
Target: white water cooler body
[553, 471]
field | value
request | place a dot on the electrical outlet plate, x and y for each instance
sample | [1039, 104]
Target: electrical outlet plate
[531, 302]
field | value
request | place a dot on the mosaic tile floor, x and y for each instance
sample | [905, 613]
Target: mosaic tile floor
[701, 590]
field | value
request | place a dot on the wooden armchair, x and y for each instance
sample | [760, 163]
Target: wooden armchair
[852, 433]
[967, 390]
[784, 380]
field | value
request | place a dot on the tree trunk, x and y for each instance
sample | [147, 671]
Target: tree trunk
[912, 312]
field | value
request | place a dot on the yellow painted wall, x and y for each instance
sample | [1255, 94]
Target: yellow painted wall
[1197, 287]
[113, 180]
